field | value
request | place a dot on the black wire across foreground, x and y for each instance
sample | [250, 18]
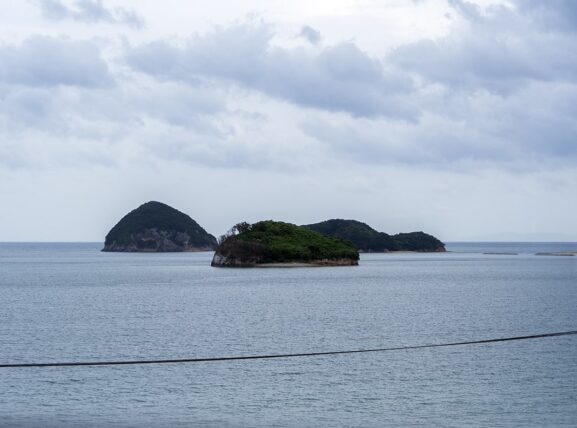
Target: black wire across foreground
[271, 356]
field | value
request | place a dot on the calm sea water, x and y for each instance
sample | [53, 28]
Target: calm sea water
[69, 302]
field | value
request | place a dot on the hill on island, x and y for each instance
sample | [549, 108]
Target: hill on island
[367, 239]
[277, 243]
[157, 227]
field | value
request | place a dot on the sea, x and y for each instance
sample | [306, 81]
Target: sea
[69, 302]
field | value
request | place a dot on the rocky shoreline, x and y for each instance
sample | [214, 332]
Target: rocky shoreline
[155, 241]
[219, 260]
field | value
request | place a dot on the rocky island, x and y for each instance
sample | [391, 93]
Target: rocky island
[368, 240]
[157, 227]
[272, 243]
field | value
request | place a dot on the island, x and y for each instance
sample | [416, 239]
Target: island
[157, 227]
[368, 240]
[277, 244]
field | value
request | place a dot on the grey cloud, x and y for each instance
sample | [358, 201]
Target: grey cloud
[89, 11]
[540, 120]
[486, 95]
[48, 126]
[53, 9]
[467, 9]
[47, 61]
[432, 143]
[514, 133]
[65, 113]
[469, 62]
[336, 78]
[237, 53]
[499, 50]
[549, 15]
[195, 109]
[208, 150]
[555, 15]
[108, 114]
[310, 34]
[27, 108]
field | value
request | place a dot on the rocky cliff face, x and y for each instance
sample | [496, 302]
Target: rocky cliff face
[220, 260]
[157, 227]
[154, 240]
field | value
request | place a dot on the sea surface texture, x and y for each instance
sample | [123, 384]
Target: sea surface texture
[70, 302]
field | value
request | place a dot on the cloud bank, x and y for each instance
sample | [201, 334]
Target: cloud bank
[499, 90]
[471, 131]
[334, 78]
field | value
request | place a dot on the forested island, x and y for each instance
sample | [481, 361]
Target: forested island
[157, 227]
[368, 240]
[274, 243]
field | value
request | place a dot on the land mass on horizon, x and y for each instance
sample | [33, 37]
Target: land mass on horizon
[273, 243]
[157, 227]
[368, 240]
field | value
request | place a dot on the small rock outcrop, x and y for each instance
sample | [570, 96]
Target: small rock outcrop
[368, 240]
[272, 243]
[157, 227]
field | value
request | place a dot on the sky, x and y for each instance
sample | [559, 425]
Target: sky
[454, 117]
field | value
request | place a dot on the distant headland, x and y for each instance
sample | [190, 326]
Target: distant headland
[157, 227]
[368, 240]
[273, 243]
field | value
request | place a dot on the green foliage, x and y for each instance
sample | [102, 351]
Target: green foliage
[418, 241]
[277, 242]
[156, 215]
[367, 239]
[362, 236]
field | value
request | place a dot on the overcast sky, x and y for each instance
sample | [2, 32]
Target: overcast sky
[454, 117]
